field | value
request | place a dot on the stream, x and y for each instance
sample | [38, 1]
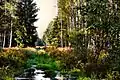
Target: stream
[36, 74]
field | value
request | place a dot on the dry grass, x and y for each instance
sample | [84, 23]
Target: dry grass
[16, 48]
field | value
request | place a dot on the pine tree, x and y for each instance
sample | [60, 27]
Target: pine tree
[26, 32]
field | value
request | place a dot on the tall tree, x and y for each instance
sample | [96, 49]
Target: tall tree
[26, 32]
[61, 24]
[52, 34]
[99, 31]
[7, 20]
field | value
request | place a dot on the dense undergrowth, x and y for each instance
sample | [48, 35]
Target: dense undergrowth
[14, 61]
[75, 65]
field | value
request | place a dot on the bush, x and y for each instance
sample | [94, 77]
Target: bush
[114, 75]
[66, 57]
[14, 58]
[12, 62]
[6, 72]
[43, 61]
[83, 78]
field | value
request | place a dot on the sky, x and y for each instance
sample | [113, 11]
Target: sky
[48, 11]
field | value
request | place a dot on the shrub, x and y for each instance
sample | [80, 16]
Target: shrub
[114, 75]
[50, 73]
[100, 70]
[43, 61]
[67, 57]
[5, 73]
[14, 58]
[12, 62]
[71, 60]
[83, 78]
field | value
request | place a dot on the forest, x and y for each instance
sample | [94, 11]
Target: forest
[82, 42]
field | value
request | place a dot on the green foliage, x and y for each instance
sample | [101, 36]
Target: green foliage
[26, 34]
[5, 15]
[6, 73]
[12, 62]
[52, 34]
[93, 29]
[114, 75]
[13, 58]
[50, 73]
[8, 19]
[98, 31]
[43, 61]
[66, 57]
[94, 34]
[84, 78]
[55, 29]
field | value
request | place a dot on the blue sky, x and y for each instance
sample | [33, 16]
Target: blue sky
[48, 10]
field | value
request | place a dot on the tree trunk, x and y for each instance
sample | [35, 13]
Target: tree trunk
[10, 42]
[4, 39]
[10, 37]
